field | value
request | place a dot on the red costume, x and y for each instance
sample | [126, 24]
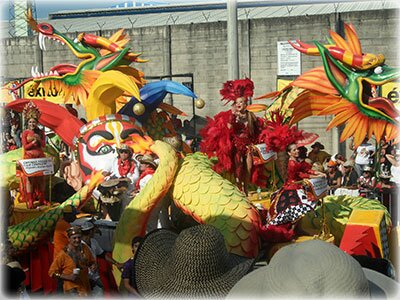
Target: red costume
[33, 148]
[290, 202]
[125, 167]
[230, 139]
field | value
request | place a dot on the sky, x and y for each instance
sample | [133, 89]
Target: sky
[44, 7]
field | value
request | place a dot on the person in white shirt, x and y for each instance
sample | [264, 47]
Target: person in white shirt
[364, 152]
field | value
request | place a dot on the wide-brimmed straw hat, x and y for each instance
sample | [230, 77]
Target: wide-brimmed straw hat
[193, 264]
[147, 159]
[313, 268]
[125, 147]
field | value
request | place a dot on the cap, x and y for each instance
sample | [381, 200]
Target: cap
[331, 163]
[74, 230]
[87, 226]
[348, 163]
[125, 147]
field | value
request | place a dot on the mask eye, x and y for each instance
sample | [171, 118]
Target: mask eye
[105, 149]
[378, 70]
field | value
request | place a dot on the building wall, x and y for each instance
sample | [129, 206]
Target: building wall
[201, 49]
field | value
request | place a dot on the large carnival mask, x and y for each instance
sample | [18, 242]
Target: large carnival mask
[99, 140]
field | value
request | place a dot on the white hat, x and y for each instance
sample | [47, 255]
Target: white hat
[312, 268]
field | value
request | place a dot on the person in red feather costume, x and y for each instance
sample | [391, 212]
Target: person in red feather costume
[230, 135]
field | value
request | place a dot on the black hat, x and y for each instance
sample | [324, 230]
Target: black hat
[319, 145]
[193, 264]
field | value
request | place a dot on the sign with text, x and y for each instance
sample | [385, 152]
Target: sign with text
[37, 166]
[53, 94]
[319, 186]
[391, 90]
[289, 61]
[264, 155]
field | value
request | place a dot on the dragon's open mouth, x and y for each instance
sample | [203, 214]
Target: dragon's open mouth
[370, 98]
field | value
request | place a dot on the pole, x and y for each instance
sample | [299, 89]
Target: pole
[233, 53]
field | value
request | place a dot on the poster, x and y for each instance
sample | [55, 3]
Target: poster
[289, 61]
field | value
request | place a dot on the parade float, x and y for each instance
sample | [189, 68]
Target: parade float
[122, 108]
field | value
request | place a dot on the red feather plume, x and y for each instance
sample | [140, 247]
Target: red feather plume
[234, 89]
[277, 134]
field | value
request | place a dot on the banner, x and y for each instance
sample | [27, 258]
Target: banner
[37, 166]
[391, 90]
[51, 94]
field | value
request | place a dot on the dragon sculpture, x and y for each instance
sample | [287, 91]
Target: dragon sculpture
[189, 181]
[346, 87]
[194, 187]
[104, 69]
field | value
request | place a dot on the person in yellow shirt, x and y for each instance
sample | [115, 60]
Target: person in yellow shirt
[72, 265]
[317, 154]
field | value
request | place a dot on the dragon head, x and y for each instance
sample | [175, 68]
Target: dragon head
[359, 86]
[98, 54]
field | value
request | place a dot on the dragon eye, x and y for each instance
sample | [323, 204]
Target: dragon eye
[378, 70]
[105, 149]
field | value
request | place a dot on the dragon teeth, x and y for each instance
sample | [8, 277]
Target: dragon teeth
[42, 44]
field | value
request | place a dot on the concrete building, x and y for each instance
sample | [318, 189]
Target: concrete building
[192, 39]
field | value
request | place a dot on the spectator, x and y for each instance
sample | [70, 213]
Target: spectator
[395, 168]
[72, 265]
[16, 134]
[384, 162]
[128, 273]
[366, 183]
[317, 154]
[364, 152]
[60, 238]
[340, 160]
[11, 144]
[16, 129]
[177, 122]
[350, 176]
[334, 177]
[303, 154]
[147, 169]
[313, 269]
[195, 264]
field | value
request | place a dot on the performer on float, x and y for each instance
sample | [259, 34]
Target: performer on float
[292, 200]
[126, 167]
[33, 142]
[231, 134]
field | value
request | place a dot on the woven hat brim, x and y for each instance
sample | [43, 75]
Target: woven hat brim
[292, 274]
[381, 286]
[155, 280]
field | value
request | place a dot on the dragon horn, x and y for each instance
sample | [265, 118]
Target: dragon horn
[31, 21]
[352, 38]
[360, 62]
[307, 48]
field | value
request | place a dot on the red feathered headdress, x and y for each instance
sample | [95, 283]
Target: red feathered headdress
[277, 134]
[234, 89]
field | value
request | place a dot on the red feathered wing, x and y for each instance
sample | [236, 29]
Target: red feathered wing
[53, 116]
